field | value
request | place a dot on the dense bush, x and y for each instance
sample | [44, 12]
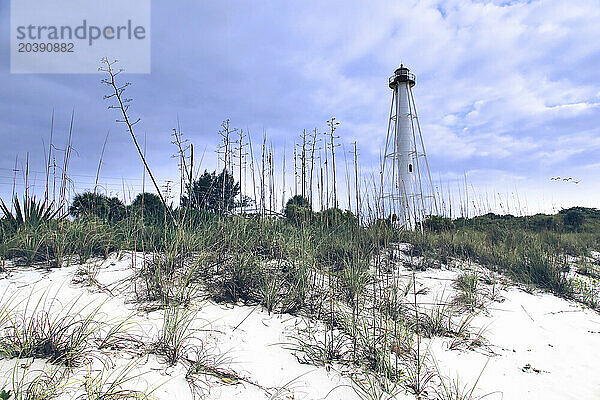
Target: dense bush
[298, 210]
[435, 223]
[98, 205]
[334, 216]
[573, 220]
[150, 206]
[541, 222]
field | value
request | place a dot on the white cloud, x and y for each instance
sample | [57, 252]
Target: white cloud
[500, 85]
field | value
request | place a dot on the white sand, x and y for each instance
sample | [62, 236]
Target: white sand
[539, 346]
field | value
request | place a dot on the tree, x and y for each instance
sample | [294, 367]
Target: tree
[116, 209]
[88, 203]
[298, 210]
[150, 205]
[213, 192]
[98, 205]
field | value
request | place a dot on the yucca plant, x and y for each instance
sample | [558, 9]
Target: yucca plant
[31, 214]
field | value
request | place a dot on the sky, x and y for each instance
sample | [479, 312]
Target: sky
[508, 94]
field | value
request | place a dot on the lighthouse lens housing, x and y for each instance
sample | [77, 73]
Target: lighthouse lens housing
[401, 75]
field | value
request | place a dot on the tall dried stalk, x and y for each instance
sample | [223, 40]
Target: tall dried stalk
[347, 178]
[64, 178]
[252, 170]
[283, 198]
[99, 164]
[303, 163]
[46, 192]
[312, 163]
[326, 171]
[295, 171]
[263, 194]
[356, 183]
[123, 107]
[12, 203]
[332, 123]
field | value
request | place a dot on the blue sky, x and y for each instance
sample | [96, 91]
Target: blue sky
[508, 92]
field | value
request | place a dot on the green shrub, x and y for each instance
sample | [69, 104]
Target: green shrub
[30, 214]
[541, 222]
[97, 205]
[435, 223]
[298, 210]
[333, 217]
[212, 192]
[573, 220]
[150, 206]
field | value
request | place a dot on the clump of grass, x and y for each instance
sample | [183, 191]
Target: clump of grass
[105, 385]
[237, 278]
[435, 322]
[353, 280]
[62, 336]
[316, 346]
[205, 366]
[27, 246]
[419, 376]
[452, 389]
[173, 342]
[468, 291]
[588, 269]
[42, 384]
[86, 274]
[372, 387]
[168, 277]
[90, 238]
[119, 336]
[587, 291]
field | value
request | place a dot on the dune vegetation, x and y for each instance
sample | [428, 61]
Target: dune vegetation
[351, 277]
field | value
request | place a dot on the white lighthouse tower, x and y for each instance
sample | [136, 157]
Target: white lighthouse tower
[404, 192]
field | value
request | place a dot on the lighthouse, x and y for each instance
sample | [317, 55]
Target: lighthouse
[406, 194]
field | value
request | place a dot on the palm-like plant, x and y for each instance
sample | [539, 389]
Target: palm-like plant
[31, 214]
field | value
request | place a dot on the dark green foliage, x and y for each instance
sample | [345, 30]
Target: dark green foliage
[334, 216]
[4, 395]
[573, 219]
[31, 214]
[333, 252]
[237, 279]
[98, 205]
[542, 222]
[116, 209]
[435, 223]
[298, 210]
[87, 204]
[212, 192]
[150, 206]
